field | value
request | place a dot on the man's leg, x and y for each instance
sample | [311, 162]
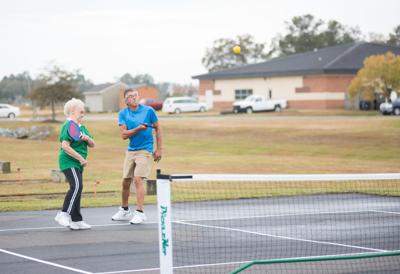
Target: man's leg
[126, 189]
[139, 193]
[124, 214]
[143, 162]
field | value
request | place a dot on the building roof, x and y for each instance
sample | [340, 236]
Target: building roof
[101, 88]
[343, 59]
[98, 89]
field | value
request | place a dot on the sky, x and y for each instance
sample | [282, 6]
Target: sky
[164, 38]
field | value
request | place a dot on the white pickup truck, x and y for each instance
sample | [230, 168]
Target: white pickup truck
[258, 103]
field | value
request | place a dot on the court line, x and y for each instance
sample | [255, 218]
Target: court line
[60, 227]
[276, 215]
[45, 262]
[209, 219]
[283, 237]
[388, 212]
[230, 263]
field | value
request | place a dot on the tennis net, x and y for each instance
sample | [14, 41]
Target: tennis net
[331, 223]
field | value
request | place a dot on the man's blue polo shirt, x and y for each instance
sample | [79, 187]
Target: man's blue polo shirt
[143, 140]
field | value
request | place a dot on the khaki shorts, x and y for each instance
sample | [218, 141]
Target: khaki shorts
[137, 163]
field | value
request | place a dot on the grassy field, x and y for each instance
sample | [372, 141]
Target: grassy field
[289, 142]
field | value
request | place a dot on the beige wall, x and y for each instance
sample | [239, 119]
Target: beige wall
[94, 102]
[111, 97]
[105, 100]
[325, 90]
[281, 87]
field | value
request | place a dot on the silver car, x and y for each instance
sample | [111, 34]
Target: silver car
[386, 108]
[182, 104]
[9, 111]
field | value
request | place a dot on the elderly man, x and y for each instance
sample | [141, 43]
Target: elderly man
[136, 122]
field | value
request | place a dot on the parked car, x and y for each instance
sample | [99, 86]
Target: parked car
[396, 107]
[182, 104]
[386, 108]
[390, 108]
[254, 103]
[9, 111]
[156, 104]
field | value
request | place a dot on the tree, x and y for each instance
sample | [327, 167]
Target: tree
[15, 86]
[137, 80]
[184, 90]
[221, 55]
[55, 86]
[82, 83]
[394, 38]
[307, 33]
[380, 74]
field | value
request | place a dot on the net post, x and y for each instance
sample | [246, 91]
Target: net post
[164, 223]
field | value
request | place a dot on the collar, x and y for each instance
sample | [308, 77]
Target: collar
[69, 119]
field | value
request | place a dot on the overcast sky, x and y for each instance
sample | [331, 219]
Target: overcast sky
[165, 38]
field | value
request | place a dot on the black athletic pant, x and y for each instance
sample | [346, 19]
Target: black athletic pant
[72, 202]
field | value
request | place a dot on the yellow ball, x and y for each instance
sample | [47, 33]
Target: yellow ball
[236, 49]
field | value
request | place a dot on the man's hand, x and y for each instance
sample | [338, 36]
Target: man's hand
[157, 155]
[141, 127]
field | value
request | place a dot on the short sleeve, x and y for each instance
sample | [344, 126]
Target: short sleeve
[64, 135]
[121, 118]
[152, 116]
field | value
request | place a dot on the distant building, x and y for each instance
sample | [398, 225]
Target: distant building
[315, 79]
[104, 97]
[145, 92]
[109, 97]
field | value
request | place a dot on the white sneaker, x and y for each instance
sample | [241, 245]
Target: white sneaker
[138, 218]
[81, 225]
[63, 218]
[122, 215]
[74, 226]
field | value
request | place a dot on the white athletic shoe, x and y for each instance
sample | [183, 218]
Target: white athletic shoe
[81, 225]
[122, 215]
[138, 218]
[63, 218]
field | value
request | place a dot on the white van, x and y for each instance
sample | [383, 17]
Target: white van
[182, 104]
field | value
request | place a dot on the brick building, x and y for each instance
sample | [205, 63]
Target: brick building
[317, 79]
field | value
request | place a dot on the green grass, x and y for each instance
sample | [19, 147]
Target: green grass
[261, 143]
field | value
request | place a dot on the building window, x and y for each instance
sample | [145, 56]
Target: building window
[241, 94]
[302, 89]
[217, 92]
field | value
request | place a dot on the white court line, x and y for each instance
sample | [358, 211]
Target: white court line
[231, 263]
[276, 215]
[210, 219]
[44, 262]
[388, 212]
[284, 237]
[60, 227]
[129, 271]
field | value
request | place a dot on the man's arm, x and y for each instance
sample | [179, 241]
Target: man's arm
[158, 152]
[126, 133]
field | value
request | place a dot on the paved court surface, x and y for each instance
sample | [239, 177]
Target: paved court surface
[211, 237]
